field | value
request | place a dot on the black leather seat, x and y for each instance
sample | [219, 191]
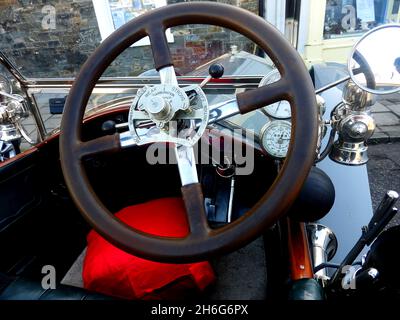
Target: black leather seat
[16, 288]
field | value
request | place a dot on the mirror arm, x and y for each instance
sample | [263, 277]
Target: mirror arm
[331, 85]
[328, 146]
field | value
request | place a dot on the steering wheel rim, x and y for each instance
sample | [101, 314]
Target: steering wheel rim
[364, 69]
[295, 86]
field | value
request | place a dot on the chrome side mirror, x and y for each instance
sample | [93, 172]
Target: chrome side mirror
[374, 62]
[374, 68]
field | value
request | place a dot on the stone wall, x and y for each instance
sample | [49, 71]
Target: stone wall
[61, 51]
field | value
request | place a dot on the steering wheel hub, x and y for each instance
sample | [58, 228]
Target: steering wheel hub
[159, 108]
[162, 101]
[164, 113]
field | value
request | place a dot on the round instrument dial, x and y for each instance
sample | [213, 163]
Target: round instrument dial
[278, 110]
[275, 138]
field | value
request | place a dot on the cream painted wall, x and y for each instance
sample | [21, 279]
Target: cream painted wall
[313, 47]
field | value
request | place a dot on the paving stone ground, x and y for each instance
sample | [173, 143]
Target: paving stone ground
[384, 172]
[386, 113]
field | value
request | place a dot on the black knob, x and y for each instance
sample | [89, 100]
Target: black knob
[108, 127]
[216, 70]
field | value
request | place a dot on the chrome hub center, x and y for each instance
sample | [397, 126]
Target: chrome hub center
[164, 113]
[161, 102]
[158, 108]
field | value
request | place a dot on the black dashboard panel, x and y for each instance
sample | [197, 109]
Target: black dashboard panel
[19, 189]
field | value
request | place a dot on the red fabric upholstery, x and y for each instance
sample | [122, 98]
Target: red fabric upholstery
[111, 271]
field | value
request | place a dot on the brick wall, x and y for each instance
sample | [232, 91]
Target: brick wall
[60, 52]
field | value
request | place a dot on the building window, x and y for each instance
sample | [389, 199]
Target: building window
[191, 45]
[112, 14]
[349, 18]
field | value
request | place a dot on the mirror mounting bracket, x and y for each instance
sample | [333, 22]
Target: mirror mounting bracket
[355, 126]
[358, 99]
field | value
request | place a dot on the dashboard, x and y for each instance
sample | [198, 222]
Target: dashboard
[271, 124]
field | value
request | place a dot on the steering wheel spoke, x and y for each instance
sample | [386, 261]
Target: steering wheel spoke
[168, 75]
[159, 45]
[223, 110]
[263, 96]
[104, 144]
[186, 164]
[191, 191]
[194, 203]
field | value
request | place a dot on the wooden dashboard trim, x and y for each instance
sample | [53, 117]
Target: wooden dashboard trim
[299, 252]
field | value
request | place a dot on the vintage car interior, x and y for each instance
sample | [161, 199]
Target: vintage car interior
[124, 178]
[243, 208]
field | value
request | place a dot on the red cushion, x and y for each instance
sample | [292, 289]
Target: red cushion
[111, 271]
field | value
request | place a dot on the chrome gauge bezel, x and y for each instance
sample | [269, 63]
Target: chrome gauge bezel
[265, 130]
[272, 77]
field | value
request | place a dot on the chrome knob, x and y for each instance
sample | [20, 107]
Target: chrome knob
[158, 107]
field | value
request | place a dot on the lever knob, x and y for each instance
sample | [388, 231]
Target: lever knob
[108, 127]
[216, 70]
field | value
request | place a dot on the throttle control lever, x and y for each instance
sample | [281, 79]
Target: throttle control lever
[216, 71]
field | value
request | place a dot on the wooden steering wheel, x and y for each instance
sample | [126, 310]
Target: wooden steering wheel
[202, 242]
